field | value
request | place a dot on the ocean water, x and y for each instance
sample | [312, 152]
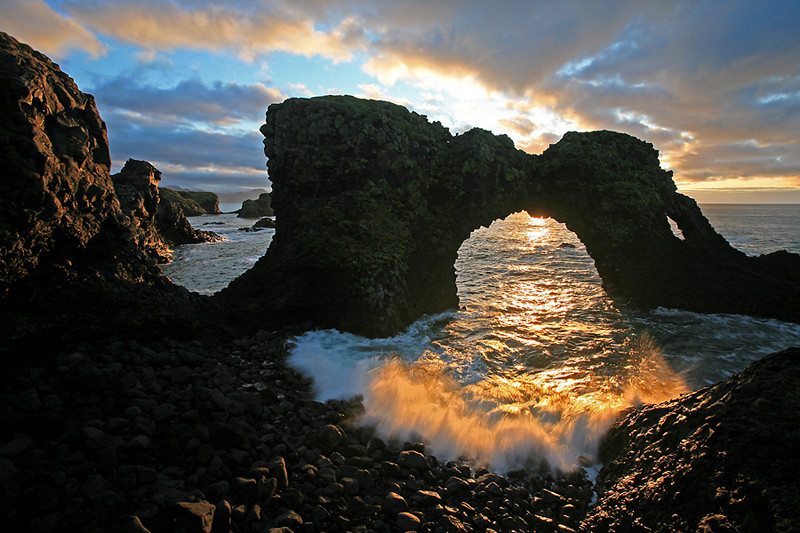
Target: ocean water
[538, 361]
[209, 267]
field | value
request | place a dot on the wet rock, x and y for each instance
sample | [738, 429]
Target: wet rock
[426, 498]
[18, 444]
[289, 519]
[262, 224]
[549, 497]
[728, 450]
[223, 514]
[239, 513]
[247, 488]
[350, 486]
[329, 437]
[7, 470]
[268, 488]
[197, 516]
[413, 459]
[407, 522]
[542, 523]
[132, 525]
[394, 503]
[254, 514]
[277, 468]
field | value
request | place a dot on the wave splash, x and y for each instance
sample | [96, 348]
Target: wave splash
[503, 421]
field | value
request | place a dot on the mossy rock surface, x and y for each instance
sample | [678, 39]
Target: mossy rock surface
[192, 203]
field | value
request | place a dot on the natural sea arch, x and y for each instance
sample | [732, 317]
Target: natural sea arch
[372, 203]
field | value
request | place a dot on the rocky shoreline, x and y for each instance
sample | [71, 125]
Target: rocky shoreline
[193, 436]
[129, 404]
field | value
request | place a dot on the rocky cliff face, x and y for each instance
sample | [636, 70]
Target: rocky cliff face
[160, 224]
[372, 203]
[56, 196]
[724, 458]
[72, 264]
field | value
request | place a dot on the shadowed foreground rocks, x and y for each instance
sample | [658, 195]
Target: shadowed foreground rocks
[372, 203]
[167, 436]
[723, 458]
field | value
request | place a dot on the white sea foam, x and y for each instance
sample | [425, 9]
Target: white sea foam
[412, 389]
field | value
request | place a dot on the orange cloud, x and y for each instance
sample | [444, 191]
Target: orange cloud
[166, 26]
[37, 24]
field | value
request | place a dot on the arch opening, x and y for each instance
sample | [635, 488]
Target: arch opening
[535, 364]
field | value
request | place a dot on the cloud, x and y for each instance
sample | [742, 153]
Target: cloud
[189, 100]
[700, 80]
[39, 25]
[189, 157]
[191, 131]
[715, 85]
[143, 137]
[248, 30]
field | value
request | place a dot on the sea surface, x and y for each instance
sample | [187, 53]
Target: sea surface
[537, 361]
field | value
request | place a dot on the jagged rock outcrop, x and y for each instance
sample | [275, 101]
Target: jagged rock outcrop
[159, 222]
[192, 203]
[723, 458]
[372, 203]
[56, 196]
[71, 263]
[260, 207]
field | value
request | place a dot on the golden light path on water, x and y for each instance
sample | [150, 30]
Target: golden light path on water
[498, 395]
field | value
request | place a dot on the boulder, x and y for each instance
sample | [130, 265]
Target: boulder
[262, 224]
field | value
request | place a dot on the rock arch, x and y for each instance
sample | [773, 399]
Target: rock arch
[372, 203]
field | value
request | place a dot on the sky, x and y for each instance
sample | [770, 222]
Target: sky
[714, 85]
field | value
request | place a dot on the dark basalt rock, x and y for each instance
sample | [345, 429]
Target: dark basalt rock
[56, 195]
[72, 263]
[260, 207]
[158, 219]
[262, 224]
[723, 458]
[372, 203]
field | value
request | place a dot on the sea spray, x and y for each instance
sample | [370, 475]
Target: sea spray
[412, 391]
